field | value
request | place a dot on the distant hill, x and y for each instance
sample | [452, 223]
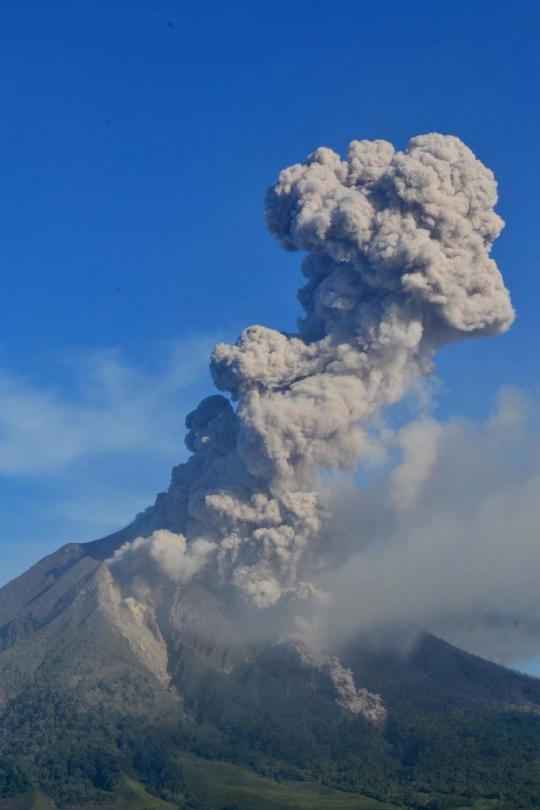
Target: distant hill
[103, 704]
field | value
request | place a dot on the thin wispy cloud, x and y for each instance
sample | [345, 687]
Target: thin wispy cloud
[107, 405]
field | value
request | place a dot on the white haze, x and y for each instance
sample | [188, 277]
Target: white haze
[449, 539]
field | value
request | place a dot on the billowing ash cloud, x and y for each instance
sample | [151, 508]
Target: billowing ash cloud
[167, 552]
[397, 264]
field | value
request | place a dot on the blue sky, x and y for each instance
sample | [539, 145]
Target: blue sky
[136, 145]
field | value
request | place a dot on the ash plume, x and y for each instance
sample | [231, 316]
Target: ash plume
[397, 264]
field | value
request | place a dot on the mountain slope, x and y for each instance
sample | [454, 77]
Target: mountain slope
[97, 687]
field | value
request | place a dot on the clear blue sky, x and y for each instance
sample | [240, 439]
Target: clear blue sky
[137, 140]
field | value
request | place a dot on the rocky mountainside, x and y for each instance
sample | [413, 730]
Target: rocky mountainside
[98, 687]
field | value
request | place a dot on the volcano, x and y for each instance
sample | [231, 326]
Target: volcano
[171, 664]
[166, 704]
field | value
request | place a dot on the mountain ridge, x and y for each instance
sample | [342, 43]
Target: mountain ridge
[83, 662]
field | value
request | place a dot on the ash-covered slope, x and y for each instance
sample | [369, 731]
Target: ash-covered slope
[55, 619]
[89, 673]
[73, 619]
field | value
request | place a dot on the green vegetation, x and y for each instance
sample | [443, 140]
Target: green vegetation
[218, 785]
[75, 753]
[128, 795]
[90, 726]
[89, 756]
[40, 801]
[131, 795]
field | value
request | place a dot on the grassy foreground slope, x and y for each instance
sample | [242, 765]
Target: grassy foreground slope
[219, 785]
[128, 795]
[215, 786]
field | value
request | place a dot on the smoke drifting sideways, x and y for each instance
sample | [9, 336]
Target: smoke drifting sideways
[446, 540]
[397, 264]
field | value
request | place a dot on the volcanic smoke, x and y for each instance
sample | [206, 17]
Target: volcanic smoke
[397, 265]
